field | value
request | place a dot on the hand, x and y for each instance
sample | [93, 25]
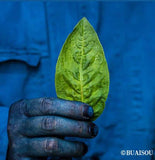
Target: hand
[36, 128]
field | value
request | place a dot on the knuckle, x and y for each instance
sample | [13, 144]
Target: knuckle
[51, 145]
[43, 101]
[48, 123]
[27, 107]
[45, 105]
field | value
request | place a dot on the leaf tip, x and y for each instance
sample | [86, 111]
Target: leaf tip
[84, 20]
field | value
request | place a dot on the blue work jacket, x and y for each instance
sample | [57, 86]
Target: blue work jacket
[31, 37]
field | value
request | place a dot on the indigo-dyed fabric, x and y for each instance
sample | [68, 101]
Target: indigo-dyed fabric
[31, 37]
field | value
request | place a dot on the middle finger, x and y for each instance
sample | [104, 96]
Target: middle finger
[58, 126]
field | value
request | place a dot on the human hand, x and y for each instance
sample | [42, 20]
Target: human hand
[36, 128]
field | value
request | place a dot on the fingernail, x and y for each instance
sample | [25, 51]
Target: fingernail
[93, 129]
[88, 111]
[85, 148]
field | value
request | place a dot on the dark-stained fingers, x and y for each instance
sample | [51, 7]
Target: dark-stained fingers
[58, 107]
[46, 147]
[58, 126]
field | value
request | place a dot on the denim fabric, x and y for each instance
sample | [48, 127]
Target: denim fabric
[31, 37]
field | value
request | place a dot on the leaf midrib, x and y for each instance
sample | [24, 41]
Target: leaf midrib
[81, 71]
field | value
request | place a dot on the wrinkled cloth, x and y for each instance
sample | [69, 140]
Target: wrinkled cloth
[31, 37]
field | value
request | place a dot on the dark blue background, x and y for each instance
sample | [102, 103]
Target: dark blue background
[31, 37]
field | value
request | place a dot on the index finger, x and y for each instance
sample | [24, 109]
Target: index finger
[58, 107]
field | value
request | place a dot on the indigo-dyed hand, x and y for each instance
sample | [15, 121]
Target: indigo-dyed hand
[36, 128]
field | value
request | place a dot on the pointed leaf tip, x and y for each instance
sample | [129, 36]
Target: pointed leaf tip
[85, 20]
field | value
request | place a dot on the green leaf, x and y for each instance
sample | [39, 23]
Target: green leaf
[81, 71]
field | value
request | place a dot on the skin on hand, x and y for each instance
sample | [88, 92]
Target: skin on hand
[36, 128]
